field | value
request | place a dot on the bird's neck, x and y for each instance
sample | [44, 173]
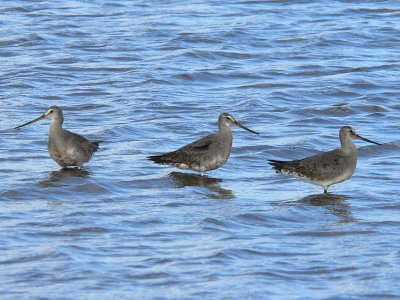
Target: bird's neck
[347, 144]
[56, 124]
[224, 128]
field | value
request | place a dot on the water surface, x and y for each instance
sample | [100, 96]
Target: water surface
[149, 77]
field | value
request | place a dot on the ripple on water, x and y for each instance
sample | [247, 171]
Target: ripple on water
[147, 78]
[29, 257]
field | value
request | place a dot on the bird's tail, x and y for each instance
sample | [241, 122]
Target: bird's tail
[96, 144]
[277, 164]
[158, 159]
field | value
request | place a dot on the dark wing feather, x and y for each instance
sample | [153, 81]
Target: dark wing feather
[84, 145]
[189, 154]
[279, 165]
[316, 166]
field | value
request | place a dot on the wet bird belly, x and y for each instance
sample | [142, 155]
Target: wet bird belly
[324, 182]
[342, 177]
[203, 165]
[66, 156]
[215, 162]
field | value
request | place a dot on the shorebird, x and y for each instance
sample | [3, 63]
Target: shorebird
[205, 154]
[326, 168]
[65, 147]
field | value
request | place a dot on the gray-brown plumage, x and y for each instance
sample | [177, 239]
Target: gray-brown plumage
[65, 147]
[205, 154]
[326, 168]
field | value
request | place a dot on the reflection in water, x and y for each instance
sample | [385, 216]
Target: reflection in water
[56, 176]
[187, 179]
[325, 199]
[335, 204]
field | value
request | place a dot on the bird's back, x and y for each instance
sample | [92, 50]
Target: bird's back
[327, 166]
[191, 153]
[207, 153]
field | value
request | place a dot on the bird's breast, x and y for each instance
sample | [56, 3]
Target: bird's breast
[62, 152]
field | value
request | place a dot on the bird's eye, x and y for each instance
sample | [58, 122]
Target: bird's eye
[50, 111]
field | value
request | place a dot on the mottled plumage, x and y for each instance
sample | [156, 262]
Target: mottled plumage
[326, 168]
[205, 154]
[65, 147]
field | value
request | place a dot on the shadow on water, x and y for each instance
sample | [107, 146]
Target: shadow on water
[335, 204]
[182, 180]
[56, 176]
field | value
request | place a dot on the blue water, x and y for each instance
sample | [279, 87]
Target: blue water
[147, 77]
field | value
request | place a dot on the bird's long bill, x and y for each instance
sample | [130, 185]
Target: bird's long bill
[367, 140]
[30, 122]
[241, 126]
